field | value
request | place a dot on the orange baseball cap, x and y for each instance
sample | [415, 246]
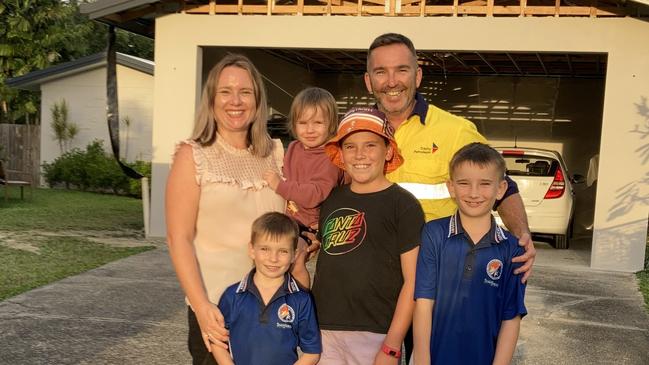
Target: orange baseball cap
[364, 119]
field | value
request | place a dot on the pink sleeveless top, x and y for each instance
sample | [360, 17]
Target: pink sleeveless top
[233, 194]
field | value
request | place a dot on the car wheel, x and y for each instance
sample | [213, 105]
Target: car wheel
[560, 241]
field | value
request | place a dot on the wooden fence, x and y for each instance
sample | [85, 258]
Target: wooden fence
[20, 149]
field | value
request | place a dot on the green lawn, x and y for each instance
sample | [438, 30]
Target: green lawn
[57, 258]
[643, 277]
[57, 210]
[48, 252]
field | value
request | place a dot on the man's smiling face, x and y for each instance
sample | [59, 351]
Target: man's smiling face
[393, 77]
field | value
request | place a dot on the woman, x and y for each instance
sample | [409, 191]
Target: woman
[214, 192]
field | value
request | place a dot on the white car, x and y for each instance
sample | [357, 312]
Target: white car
[546, 190]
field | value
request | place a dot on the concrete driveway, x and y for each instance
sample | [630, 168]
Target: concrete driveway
[132, 312]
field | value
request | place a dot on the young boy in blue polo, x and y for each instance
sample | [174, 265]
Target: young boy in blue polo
[469, 303]
[267, 313]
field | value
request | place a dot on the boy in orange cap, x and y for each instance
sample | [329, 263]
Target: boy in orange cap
[370, 234]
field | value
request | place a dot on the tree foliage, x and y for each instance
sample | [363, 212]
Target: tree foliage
[93, 169]
[35, 34]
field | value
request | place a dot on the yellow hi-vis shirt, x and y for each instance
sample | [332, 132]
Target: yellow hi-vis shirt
[427, 149]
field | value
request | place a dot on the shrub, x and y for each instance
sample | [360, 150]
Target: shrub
[93, 170]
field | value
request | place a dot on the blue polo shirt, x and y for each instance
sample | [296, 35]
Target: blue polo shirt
[473, 286]
[269, 334]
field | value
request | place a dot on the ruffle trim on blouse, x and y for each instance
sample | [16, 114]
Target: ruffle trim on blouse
[204, 174]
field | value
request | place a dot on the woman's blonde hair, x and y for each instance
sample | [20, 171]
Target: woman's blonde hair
[314, 97]
[205, 127]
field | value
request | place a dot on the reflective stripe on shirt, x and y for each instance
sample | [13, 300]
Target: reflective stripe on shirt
[426, 191]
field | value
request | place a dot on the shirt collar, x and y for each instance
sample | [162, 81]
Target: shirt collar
[420, 109]
[288, 287]
[495, 235]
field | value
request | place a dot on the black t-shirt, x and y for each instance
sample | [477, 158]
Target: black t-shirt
[358, 275]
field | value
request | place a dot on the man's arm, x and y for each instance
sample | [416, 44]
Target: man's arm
[507, 338]
[402, 317]
[512, 212]
[422, 327]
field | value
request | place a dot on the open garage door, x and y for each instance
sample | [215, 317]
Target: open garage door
[550, 101]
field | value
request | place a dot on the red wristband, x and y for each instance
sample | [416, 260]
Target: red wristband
[390, 351]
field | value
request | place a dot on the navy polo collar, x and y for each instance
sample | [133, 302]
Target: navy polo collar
[247, 284]
[420, 109]
[495, 235]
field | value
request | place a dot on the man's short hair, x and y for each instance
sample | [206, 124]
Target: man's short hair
[388, 39]
[479, 154]
[275, 226]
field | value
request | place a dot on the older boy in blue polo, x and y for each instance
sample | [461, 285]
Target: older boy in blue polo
[469, 303]
[267, 313]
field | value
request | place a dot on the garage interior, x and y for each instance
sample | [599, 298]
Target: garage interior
[543, 100]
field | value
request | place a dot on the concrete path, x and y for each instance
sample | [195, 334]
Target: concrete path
[132, 312]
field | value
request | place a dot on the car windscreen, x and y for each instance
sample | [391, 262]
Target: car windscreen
[530, 165]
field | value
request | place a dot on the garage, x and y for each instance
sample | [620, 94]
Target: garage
[550, 101]
[574, 84]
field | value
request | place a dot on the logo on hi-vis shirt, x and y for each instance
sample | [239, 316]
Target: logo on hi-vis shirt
[426, 150]
[344, 230]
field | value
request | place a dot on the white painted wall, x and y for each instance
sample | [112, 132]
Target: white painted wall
[85, 94]
[620, 222]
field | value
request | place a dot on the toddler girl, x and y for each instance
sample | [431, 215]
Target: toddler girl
[309, 175]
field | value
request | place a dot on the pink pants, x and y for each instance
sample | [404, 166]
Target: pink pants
[350, 347]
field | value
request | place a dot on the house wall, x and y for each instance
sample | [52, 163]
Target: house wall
[620, 215]
[85, 94]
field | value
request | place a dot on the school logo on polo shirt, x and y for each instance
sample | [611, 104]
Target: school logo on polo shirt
[285, 313]
[494, 269]
[344, 230]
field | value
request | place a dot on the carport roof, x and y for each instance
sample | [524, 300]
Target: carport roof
[138, 16]
[33, 80]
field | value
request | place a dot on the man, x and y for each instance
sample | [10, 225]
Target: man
[428, 137]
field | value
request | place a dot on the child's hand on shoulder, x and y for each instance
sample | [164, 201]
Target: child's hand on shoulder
[272, 178]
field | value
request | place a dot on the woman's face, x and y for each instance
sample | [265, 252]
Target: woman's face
[234, 100]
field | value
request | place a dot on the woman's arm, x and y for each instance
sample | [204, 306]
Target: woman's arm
[402, 317]
[221, 355]
[182, 197]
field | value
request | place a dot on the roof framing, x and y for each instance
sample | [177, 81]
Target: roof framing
[433, 62]
[138, 16]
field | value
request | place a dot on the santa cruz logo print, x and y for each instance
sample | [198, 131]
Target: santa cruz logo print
[344, 230]
[285, 313]
[494, 269]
